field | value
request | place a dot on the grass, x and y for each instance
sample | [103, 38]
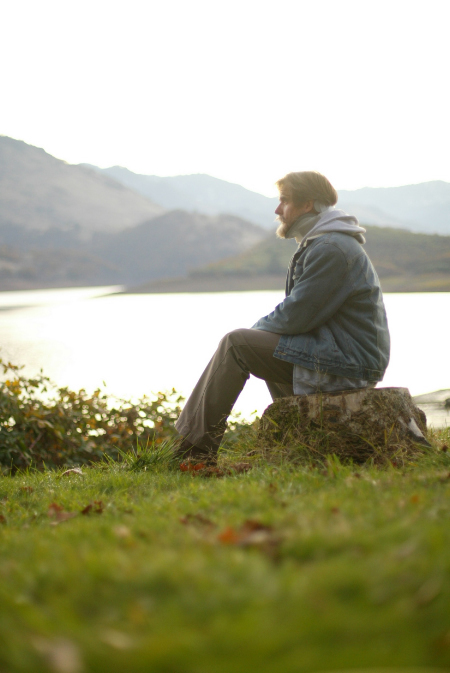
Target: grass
[283, 568]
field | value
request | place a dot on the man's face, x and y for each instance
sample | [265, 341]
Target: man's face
[288, 212]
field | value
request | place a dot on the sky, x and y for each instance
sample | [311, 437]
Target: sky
[242, 90]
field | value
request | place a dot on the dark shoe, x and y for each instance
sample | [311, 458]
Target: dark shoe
[189, 453]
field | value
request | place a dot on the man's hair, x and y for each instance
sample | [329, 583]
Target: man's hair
[308, 186]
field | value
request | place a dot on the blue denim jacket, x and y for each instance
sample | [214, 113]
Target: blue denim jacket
[333, 317]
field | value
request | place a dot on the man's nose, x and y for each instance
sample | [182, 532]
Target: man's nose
[278, 211]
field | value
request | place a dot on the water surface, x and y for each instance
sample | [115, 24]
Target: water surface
[141, 344]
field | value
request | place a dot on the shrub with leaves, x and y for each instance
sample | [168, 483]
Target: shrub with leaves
[43, 425]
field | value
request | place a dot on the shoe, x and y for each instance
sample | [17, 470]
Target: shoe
[190, 453]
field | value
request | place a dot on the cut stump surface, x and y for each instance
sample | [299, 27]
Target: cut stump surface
[370, 423]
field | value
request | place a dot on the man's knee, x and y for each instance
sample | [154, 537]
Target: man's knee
[234, 338]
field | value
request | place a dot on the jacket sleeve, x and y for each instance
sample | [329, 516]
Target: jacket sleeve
[322, 288]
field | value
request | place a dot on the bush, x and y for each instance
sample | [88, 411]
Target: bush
[43, 425]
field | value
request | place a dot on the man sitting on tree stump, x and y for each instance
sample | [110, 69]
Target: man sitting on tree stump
[329, 333]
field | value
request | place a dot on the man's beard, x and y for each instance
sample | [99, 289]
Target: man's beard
[283, 227]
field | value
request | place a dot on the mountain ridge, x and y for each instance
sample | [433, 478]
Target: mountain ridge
[405, 207]
[40, 192]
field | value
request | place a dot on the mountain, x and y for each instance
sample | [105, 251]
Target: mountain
[63, 225]
[174, 243]
[169, 245]
[405, 262]
[38, 268]
[201, 193]
[424, 207]
[41, 193]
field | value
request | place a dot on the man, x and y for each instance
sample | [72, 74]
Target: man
[329, 333]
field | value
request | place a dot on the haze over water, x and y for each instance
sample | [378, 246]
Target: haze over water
[142, 344]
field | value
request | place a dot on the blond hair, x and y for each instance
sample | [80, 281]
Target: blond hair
[308, 186]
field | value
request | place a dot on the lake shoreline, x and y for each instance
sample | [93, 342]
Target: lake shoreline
[234, 283]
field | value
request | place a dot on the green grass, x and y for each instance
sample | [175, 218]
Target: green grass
[340, 568]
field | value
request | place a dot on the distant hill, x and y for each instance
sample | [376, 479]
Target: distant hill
[41, 193]
[175, 243]
[405, 262]
[75, 225]
[201, 193]
[423, 207]
[38, 268]
[169, 245]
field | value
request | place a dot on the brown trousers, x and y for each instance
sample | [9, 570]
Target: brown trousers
[239, 354]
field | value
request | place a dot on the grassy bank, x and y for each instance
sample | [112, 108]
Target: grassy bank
[128, 563]
[283, 568]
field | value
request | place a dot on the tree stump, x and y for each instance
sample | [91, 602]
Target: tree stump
[377, 424]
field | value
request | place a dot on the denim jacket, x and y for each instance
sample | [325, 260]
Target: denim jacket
[333, 317]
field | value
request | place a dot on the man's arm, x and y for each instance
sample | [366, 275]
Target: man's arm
[322, 289]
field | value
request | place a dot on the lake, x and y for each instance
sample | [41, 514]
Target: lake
[142, 344]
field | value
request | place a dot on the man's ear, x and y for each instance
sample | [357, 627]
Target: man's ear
[310, 206]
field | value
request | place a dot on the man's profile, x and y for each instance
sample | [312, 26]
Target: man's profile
[329, 333]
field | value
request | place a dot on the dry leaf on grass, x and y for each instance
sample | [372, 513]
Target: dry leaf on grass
[252, 533]
[27, 489]
[196, 519]
[73, 470]
[192, 467]
[2, 518]
[57, 513]
[53, 508]
[96, 507]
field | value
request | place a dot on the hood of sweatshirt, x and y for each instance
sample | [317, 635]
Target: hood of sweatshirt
[311, 226]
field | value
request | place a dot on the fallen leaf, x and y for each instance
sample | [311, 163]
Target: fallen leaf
[95, 507]
[27, 489]
[2, 518]
[57, 513]
[196, 519]
[414, 499]
[73, 470]
[252, 525]
[54, 508]
[251, 533]
[229, 536]
[192, 467]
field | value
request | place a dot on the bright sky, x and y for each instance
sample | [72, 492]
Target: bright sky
[245, 90]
